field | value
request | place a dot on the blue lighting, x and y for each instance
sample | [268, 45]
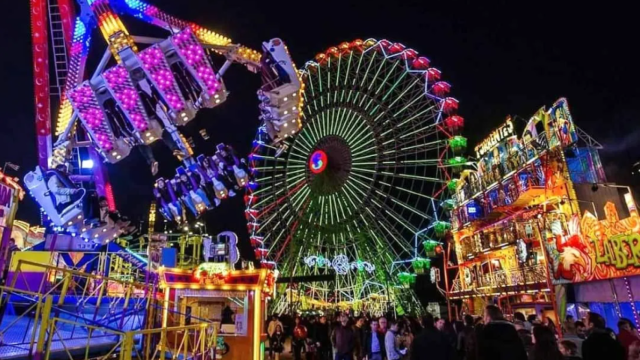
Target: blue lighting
[136, 4]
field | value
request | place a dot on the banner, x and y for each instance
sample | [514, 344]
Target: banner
[595, 247]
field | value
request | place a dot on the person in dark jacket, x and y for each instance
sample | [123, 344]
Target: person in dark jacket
[361, 334]
[545, 345]
[431, 344]
[499, 339]
[600, 343]
[569, 350]
[525, 335]
[374, 343]
[344, 340]
[322, 339]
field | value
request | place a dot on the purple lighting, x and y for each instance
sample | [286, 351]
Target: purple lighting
[193, 54]
[84, 101]
[156, 65]
[119, 83]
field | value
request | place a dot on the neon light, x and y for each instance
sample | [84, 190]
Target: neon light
[120, 84]
[156, 65]
[318, 162]
[192, 52]
[90, 112]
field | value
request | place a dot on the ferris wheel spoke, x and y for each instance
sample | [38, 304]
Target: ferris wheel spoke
[379, 221]
[350, 123]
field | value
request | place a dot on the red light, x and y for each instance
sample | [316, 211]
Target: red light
[108, 193]
[318, 161]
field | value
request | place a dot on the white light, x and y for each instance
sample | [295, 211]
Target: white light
[286, 112]
[87, 164]
[152, 138]
[285, 124]
[285, 99]
[216, 96]
[148, 134]
[114, 153]
[79, 216]
[293, 108]
[293, 95]
[70, 222]
[118, 157]
[218, 101]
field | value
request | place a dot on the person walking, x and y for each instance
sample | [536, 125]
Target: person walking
[600, 343]
[360, 332]
[298, 339]
[374, 343]
[431, 344]
[571, 334]
[393, 353]
[344, 340]
[626, 333]
[525, 336]
[271, 330]
[322, 339]
[276, 343]
[499, 339]
[569, 350]
[545, 346]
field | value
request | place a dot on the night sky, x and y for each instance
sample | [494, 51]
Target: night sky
[500, 59]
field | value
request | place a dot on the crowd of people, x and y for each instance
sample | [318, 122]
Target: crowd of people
[491, 337]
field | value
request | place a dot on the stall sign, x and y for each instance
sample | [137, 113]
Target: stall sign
[497, 136]
[595, 249]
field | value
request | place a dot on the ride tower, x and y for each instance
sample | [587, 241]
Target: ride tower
[143, 91]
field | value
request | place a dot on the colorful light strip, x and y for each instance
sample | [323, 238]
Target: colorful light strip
[195, 57]
[157, 17]
[120, 85]
[156, 66]
[90, 113]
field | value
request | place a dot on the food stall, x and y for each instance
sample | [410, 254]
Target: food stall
[234, 299]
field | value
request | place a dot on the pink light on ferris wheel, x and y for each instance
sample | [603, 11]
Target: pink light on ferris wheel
[318, 162]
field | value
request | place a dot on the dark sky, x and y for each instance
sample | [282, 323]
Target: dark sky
[500, 59]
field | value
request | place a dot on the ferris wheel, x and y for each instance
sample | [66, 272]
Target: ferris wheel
[363, 175]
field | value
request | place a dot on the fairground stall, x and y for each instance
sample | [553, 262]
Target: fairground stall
[234, 299]
[596, 265]
[10, 194]
[524, 196]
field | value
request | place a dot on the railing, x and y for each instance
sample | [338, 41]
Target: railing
[502, 278]
[97, 343]
[517, 160]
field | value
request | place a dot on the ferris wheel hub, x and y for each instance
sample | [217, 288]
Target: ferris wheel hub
[329, 165]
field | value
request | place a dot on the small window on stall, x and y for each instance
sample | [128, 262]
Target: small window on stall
[230, 312]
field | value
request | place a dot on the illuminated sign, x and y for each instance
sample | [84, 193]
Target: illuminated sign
[596, 249]
[318, 162]
[495, 138]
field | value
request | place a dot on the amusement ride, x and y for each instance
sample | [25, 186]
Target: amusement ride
[344, 186]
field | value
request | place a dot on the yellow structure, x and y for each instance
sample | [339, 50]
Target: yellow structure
[235, 300]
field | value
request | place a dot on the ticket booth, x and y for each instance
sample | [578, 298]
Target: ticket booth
[236, 300]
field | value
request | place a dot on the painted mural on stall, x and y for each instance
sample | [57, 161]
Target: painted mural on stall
[595, 249]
